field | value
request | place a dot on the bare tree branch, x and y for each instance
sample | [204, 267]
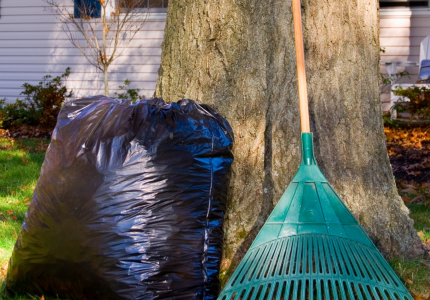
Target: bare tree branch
[101, 40]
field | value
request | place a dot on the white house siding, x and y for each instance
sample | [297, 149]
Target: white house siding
[33, 45]
[402, 31]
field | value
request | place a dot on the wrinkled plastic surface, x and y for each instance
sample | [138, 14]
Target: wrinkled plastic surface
[129, 204]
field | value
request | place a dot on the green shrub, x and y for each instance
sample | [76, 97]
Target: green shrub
[419, 104]
[129, 94]
[41, 104]
[386, 118]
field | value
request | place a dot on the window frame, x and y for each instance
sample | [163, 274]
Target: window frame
[393, 3]
[155, 9]
[77, 14]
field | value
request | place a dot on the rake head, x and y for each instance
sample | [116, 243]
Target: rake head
[312, 247]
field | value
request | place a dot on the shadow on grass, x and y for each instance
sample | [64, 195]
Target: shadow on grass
[20, 163]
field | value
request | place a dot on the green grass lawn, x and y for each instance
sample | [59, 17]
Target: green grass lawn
[20, 163]
[19, 169]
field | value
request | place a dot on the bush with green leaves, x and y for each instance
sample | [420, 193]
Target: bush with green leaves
[388, 121]
[419, 104]
[41, 104]
[128, 93]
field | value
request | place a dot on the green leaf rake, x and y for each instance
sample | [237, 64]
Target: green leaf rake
[312, 247]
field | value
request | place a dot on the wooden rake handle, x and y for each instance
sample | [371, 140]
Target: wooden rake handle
[301, 72]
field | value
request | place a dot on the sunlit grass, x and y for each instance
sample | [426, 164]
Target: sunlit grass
[415, 275]
[421, 216]
[20, 163]
[19, 171]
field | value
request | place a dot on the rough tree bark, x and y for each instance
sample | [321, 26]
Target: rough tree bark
[238, 56]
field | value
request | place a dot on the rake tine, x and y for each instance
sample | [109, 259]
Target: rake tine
[366, 274]
[271, 291]
[263, 292]
[288, 249]
[298, 259]
[340, 288]
[282, 258]
[349, 289]
[247, 292]
[269, 261]
[348, 259]
[334, 258]
[343, 263]
[326, 290]
[366, 264]
[277, 256]
[359, 292]
[293, 256]
[251, 264]
[296, 290]
[303, 291]
[263, 258]
[383, 266]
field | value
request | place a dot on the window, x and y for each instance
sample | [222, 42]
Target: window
[404, 3]
[154, 3]
[91, 8]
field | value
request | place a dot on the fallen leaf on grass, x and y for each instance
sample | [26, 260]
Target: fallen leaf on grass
[24, 160]
[14, 218]
[16, 202]
[15, 236]
[41, 147]
[409, 190]
[10, 212]
[413, 173]
[417, 199]
[3, 269]
[8, 157]
[3, 132]
[409, 281]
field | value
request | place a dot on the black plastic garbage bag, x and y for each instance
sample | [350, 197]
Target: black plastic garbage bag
[129, 204]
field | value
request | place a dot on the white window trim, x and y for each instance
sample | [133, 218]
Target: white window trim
[387, 13]
[154, 14]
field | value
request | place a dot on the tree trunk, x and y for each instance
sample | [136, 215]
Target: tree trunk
[239, 57]
[106, 80]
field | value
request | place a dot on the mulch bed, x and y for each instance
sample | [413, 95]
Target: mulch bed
[409, 152]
